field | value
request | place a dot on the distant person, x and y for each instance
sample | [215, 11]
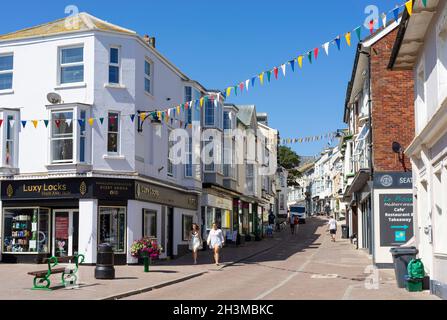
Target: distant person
[332, 226]
[195, 241]
[216, 241]
[292, 222]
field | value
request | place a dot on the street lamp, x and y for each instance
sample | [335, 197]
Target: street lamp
[397, 148]
[152, 115]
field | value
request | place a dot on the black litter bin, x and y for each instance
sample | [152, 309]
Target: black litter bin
[401, 258]
[345, 232]
[105, 262]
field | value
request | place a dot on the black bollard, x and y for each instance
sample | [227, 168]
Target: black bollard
[105, 262]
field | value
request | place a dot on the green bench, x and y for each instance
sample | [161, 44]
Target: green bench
[42, 277]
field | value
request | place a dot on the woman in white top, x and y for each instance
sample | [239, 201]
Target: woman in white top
[216, 241]
[332, 226]
[195, 241]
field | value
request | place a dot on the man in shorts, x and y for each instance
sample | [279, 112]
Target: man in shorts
[332, 226]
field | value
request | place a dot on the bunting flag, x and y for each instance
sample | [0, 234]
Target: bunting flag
[283, 68]
[58, 123]
[384, 19]
[80, 122]
[309, 55]
[235, 90]
[68, 122]
[371, 26]
[241, 86]
[35, 123]
[358, 31]
[24, 123]
[132, 118]
[424, 3]
[409, 6]
[316, 50]
[269, 74]
[46, 122]
[91, 121]
[329, 136]
[300, 61]
[101, 120]
[202, 99]
[11, 123]
[261, 78]
[348, 38]
[326, 48]
[338, 42]
[396, 13]
[247, 84]
[292, 64]
[1, 122]
[253, 80]
[275, 72]
[228, 94]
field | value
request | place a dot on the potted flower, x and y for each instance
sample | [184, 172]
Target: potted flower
[148, 249]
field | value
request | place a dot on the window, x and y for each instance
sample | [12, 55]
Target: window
[227, 121]
[188, 166]
[148, 76]
[188, 97]
[149, 224]
[170, 163]
[62, 136]
[250, 177]
[113, 133]
[10, 137]
[209, 113]
[187, 222]
[82, 136]
[210, 166]
[26, 230]
[112, 227]
[6, 71]
[71, 65]
[114, 66]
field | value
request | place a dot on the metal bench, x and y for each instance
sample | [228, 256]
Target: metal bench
[42, 278]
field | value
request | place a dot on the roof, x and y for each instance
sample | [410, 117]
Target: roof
[306, 167]
[410, 38]
[245, 114]
[80, 22]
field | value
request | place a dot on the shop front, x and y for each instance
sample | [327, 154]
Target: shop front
[60, 217]
[218, 209]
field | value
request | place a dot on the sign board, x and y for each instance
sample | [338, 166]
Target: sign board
[393, 180]
[162, 195]
[396, 219]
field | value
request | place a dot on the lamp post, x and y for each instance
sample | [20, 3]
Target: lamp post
[152, 115]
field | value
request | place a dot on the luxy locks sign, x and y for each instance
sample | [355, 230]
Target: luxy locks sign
[396, 219]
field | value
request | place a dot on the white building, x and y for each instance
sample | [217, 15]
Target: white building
[90, 172]
[422, 47]
[302, 194]
[322, 186]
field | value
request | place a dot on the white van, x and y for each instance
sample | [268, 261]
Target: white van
[300, 211]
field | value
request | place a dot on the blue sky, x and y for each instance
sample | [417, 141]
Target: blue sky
[221, 43]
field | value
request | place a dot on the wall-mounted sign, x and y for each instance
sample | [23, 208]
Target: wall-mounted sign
[396, 219]
[393, 180]
[162, 195]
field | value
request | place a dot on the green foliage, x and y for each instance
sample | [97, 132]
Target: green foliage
[289, 160]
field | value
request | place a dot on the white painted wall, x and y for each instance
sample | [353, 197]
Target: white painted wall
[88, 226]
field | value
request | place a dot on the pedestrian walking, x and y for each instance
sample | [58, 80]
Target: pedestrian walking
[216, 241]
[271, 227]
[195, 241]
[332, 226]
[293, 222]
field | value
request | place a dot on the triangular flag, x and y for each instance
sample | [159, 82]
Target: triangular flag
[326, 48]
[58, 123]
[261, 78]
[269, 75]
[371, 26]
[253, 80]
[316, 50]
[275, 72]
[1, 122]
[215, 103]
[384, 19]
[46, 122]
[202, 99]
[228, 91]
[292, 64]
[409, 6]
[24, 123]
[300, 61]
[396, 13]
[424, 2]
[206, 98]
[80, 122]
[309, 55]
[101, 120]
[91, 121]
[247, 84]
[283, 68]
[358, 31]
[159, 115]
[178, 109]
[11, 123]
[35, 122]
[68, 122]
[338, 42]
[235, 90]
[348, 38]
[241, 86]
[132, 118]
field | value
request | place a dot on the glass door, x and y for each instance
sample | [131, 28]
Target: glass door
[65, 232]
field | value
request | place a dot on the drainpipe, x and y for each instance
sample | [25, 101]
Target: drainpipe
[371, 166]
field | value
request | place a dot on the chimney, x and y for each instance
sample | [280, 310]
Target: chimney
[149, 40]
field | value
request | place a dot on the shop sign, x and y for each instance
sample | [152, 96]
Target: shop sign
[396, 219]
[393, 180]
[113, 189]
[170, 197]
[210, 200]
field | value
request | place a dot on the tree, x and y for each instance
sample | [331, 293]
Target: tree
[289, 160]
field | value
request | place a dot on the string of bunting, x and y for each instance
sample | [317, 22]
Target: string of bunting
[327, 136]
[173, 114]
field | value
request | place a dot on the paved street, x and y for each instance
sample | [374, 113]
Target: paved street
[306, 266]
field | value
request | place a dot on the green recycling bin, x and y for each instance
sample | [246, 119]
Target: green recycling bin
[416, 274]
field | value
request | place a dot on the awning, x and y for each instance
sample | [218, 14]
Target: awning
[360, 179]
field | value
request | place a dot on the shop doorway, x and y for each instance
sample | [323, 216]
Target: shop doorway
[170, 235]
[65, 232]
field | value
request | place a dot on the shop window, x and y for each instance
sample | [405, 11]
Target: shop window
[113, 134]
[6, 71]
[62, 137]
[112, 227]
[210, 217]
[71, 65]
[187, 222]
[26, 230]
[149, 223]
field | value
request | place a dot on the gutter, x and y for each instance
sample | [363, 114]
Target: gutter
[399, 39]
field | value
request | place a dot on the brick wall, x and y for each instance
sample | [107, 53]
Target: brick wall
[392, 107]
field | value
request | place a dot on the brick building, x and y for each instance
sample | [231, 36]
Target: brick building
[380, 114]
